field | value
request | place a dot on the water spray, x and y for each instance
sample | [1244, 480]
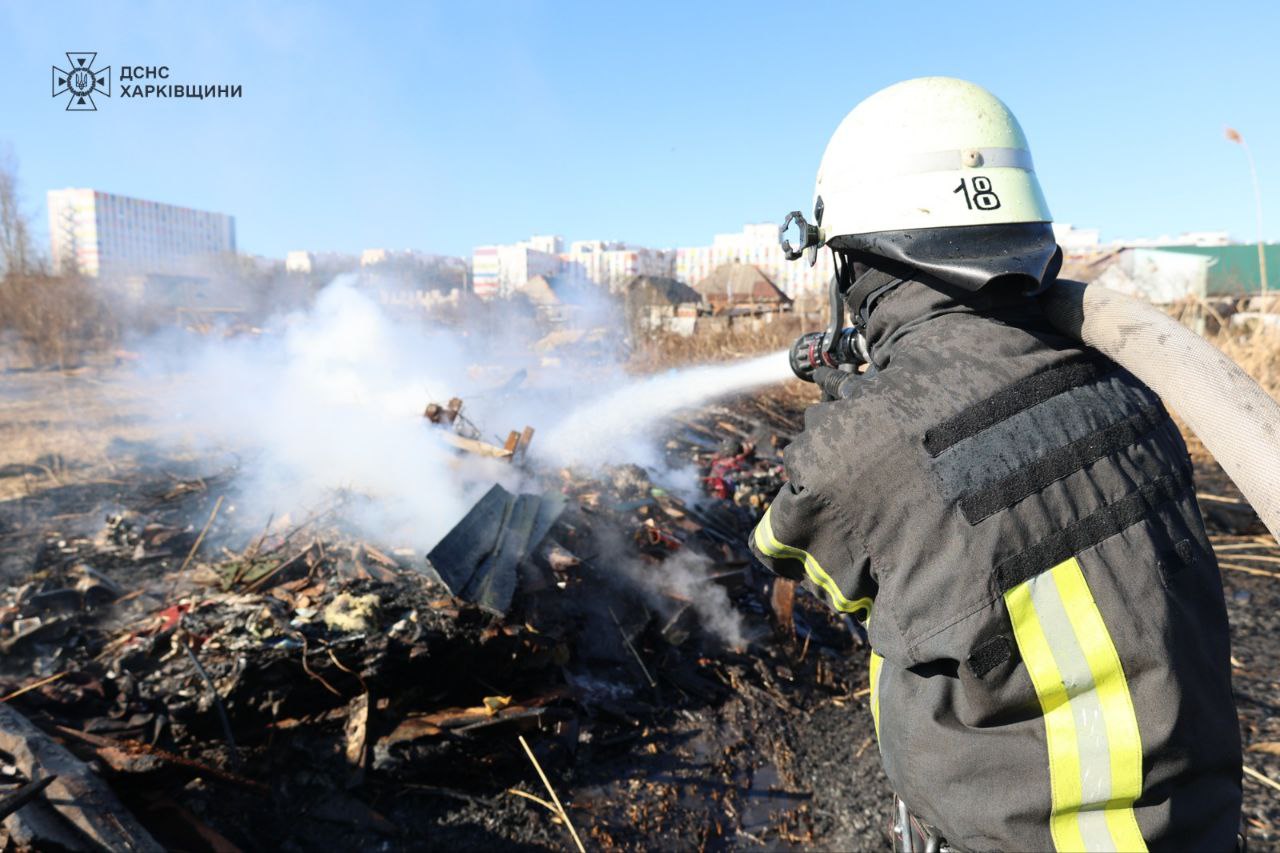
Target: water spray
[607, 427]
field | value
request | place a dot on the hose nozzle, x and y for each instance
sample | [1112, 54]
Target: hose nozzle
[812, 350]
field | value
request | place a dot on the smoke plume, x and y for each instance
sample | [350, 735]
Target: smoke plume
[684, 577]
[331, 399]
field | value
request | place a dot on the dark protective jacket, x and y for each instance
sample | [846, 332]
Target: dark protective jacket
[1016, 516]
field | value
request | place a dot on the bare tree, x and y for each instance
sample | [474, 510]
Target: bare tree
[17, 255]
[45, 321]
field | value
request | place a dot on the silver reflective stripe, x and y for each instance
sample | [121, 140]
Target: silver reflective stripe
[1091, 731]
[1086, 711]
[947, 161]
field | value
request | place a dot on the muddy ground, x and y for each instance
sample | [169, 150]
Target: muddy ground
[766, 748]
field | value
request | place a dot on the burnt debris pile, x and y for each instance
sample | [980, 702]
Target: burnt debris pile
[309, 689]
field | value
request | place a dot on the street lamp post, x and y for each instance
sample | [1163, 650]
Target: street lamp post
[1234, 136]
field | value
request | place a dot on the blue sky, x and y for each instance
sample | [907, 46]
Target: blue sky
[439, 126]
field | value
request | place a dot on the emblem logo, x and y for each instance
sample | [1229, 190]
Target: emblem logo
[82, 81]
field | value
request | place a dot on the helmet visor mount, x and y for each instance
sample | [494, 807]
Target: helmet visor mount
[808, 239]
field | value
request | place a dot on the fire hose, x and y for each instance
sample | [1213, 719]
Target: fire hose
[1236, 419]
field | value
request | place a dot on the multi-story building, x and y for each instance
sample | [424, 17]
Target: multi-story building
[100, 234]
[611, 264]
[498, 271]
[374, 257]
[302, 261]
[756, 245]
[485, 271]
[548, 244]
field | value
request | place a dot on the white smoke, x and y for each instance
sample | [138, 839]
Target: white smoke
[333, 400]
[334, 403]
[684, 577]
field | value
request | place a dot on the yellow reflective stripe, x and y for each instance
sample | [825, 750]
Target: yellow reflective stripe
[1095, 772]
[1117, 705]
[876, 663]
[1059, 727]
[770, 546]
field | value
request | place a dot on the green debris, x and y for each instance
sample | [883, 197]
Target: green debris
[245, 571]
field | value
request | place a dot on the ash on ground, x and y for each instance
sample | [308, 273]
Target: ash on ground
[305, 689]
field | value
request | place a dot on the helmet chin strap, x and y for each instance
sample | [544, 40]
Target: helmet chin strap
[856, 286]
[866, 289]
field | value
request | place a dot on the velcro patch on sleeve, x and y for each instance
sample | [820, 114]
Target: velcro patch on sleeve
[989, 655]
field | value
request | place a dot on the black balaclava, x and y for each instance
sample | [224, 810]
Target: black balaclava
[915, 276]
[914, 302]
[983, 268]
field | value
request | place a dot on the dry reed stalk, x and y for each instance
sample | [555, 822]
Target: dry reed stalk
[559, 809]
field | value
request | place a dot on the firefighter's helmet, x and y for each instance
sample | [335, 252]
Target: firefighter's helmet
[935, 172]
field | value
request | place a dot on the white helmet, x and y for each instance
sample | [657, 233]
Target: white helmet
[936, 173]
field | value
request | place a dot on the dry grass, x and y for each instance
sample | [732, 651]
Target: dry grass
[92, 424]
[1258, 352]
[52, 321]
[719, 340]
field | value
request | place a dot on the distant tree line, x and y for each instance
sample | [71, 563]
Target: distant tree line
[46, 320]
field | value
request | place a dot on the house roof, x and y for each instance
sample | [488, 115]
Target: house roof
[560, 290]
[739, 282]
[659, 290]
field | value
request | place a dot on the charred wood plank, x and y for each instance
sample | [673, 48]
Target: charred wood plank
[77, 794]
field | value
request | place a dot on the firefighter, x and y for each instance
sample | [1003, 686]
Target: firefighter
[1011, 513]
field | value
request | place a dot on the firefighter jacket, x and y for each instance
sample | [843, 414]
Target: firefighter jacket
[1014, 514]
